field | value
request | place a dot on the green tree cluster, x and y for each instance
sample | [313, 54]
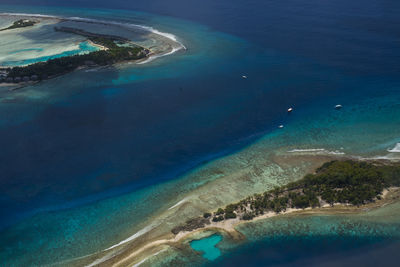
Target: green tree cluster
[66, 64]
[350, 182]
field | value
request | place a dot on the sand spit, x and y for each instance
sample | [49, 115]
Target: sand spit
[147, 250]
[224, 181]
[229, 226]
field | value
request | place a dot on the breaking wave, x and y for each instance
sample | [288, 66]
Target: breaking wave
[134, 236]
[396, 148]
[316, 150]
[167, 35]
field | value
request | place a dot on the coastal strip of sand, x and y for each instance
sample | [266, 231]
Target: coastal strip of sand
[229, 226]
[224, 182]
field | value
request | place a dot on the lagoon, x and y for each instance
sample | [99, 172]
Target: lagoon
[207, 246]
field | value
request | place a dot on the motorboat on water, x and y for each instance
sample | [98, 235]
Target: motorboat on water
[338, 106]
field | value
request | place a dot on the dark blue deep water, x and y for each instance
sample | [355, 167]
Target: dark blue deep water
[112, 132]
[314, 251]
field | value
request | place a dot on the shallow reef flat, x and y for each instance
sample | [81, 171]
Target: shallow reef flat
[219, 184]
[277, 159]
[204, 86]
[40, 42]
[375, 223]
[144, 36]
[37, 41]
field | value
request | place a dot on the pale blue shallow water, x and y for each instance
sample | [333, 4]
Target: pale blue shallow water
[207, 246]
[84, 48]
[88, 157]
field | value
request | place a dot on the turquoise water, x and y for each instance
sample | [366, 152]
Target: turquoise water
[207, 246]
[89, 158]
[84, 48]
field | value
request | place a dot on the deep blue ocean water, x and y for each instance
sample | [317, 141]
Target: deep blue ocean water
[70, 142]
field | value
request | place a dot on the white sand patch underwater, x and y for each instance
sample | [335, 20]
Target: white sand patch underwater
[24, 46]
[38, 41]
[396, 148]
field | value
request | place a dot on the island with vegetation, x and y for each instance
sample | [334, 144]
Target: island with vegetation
[114, 49]
[345, 182]
[22, 23]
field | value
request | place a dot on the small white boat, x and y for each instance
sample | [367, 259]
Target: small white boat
[290, 110]
[244, 77]
[338, 106]
[281, 126]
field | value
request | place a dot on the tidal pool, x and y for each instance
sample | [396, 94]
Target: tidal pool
[207, 246]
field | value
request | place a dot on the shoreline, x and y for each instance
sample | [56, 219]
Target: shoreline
[101, 218]
[153, 238]
[168, 43]
[101, 47]
[150, 29]
[389, 196]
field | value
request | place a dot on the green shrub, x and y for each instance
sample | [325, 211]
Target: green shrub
[207, 215]
[220, 211]
[230, 215]
[218, 218]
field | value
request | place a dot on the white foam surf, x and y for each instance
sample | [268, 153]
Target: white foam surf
[396, 149]
[102, 259]
[389, 157]
[317, 151]
[134, 236]
[151, 58]
[167, 35]
[179, 203]
[306, 150]
[145, 259]
[111, 254]
[129, 25]
[28, 15]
